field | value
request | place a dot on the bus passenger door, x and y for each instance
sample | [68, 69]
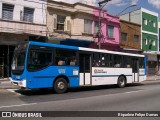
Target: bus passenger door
[135, 69]
[85, 68]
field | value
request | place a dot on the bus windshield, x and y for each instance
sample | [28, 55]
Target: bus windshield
[19, 59]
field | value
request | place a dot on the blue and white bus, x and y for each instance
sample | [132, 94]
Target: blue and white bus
[47, 65]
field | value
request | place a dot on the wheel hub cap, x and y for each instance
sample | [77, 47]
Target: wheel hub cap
[61, 85]
[122, 82]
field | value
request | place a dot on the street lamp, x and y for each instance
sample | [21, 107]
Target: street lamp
[132, 5]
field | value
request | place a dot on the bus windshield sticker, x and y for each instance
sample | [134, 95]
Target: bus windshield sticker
[96, 71]
[141, 71]
[75, 72]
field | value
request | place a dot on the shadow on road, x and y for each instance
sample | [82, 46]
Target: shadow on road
[34, 92]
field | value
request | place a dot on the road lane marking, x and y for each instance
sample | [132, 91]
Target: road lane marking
[17, 105]
[133, 91]
[14, 91]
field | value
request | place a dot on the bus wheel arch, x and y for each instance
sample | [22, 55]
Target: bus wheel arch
[122, 80]
[61, 84]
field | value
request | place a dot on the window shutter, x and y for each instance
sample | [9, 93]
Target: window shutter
[54, 21]
[28, 14]
[7, 11]
[67, 24]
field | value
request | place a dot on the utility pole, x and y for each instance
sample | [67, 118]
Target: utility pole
[99, 21]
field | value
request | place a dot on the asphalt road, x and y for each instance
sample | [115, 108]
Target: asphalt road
[101, 98]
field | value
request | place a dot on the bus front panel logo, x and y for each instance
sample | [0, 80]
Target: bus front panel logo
[62, 71]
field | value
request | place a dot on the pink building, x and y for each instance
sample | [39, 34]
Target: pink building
[110, 26]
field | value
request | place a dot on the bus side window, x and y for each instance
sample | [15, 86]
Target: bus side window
[111, 61]
[65, 57]
[117, 61]
[96, 63]
[39, 58]
[127, 62]
[141, 62]
[61, 62]
[96, 60]
[117, 65]
[103, 60]
[73, 61]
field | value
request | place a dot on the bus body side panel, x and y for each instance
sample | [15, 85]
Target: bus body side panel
[45, 78]
[142, 72]
[142, 75]
[104, 76]
[127, 72]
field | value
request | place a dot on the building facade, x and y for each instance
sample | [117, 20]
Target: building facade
[19, 20]
[130, 39]
[109, 30]
[149, 35]
[57, 22]
[69, 23]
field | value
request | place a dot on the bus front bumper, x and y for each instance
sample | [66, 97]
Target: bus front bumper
[21, 83]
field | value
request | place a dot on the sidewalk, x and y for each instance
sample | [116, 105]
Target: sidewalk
[154, 77]
[6, 84]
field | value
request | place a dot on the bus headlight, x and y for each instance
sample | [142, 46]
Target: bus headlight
[22, 83]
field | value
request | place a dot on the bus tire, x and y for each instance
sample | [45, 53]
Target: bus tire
[60, 85]
[121, 82]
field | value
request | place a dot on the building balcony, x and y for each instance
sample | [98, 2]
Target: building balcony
[20, 27]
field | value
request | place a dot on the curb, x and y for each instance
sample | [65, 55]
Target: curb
[9, 87]
[151, 82]
[6, 84]
[5, 79]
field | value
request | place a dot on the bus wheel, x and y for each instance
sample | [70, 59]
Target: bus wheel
[60, 85]
[121, 82]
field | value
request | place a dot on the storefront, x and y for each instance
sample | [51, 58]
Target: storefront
[153, 63]
[8, 41]
[6, 53]
[7, 45]
[158, 57]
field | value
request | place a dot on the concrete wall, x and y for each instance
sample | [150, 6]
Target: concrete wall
[22, 28]
[134, 16]
[11, 39]
[108, 20]
[38, 5]
[148, 31]
[76, 12]
[131, 29]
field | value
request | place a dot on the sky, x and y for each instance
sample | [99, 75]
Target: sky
[115, 7]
